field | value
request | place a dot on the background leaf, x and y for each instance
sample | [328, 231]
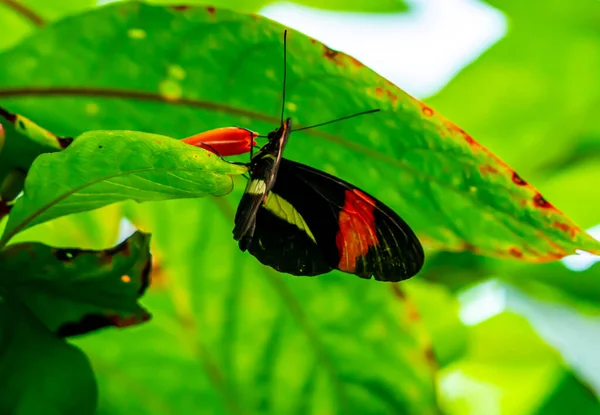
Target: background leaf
[31, 355]
[507, 356]
[233, 335]
[72, 291]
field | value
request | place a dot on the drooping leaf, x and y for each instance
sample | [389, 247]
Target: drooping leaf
[454, 192]
[105, 167]
[73, 291]
[39, 372]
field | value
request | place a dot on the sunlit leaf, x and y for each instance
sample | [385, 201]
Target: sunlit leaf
[532, 98]
[411, 157]
[19, 18]
[105, 167]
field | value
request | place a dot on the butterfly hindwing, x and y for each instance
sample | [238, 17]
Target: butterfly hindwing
[313, 222]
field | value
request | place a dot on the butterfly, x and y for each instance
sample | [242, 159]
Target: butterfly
[305, 222]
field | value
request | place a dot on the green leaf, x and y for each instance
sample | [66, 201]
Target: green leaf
[233, 336]
[506, 356]
[39, 372]
[532, 98]
[24, 141]
[19, 18]
[74, 291]
[412, 158]
[105, 167]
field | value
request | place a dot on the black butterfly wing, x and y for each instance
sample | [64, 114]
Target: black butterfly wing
[314, 222]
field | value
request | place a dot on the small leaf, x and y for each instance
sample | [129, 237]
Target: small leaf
[39, 372]
[104, 167]
[74, 291]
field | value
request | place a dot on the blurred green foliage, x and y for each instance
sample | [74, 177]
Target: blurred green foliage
[230, 336]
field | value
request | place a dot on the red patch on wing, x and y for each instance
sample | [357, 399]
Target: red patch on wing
[357, 229]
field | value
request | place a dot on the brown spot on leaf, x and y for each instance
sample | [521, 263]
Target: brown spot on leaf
[119, 321]
[180, 8]
[381, 93]
[565, 228]
[430, 357]
[515, 252]
[470, 247]
[487, 169]
[355, 62]
[123, 247]
[398, 292]
[539, 201]
[517, 179]
[313, 41]
[427, 111]
[329, 53]
[211, 10]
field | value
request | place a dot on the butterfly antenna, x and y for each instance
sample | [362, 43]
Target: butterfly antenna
[338, 119]
[284, 72]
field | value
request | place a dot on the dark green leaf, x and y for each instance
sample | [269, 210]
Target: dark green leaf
[73, 291]
[39, 372]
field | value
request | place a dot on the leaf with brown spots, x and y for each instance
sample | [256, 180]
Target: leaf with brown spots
[74, 291]
[454, 192]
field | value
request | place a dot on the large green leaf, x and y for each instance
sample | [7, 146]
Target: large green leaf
[39, 372]
[414, 159]
[19, 18]
[533, 99]
[72, 291]
[231, 335]
[105, 167]
[380, 6]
